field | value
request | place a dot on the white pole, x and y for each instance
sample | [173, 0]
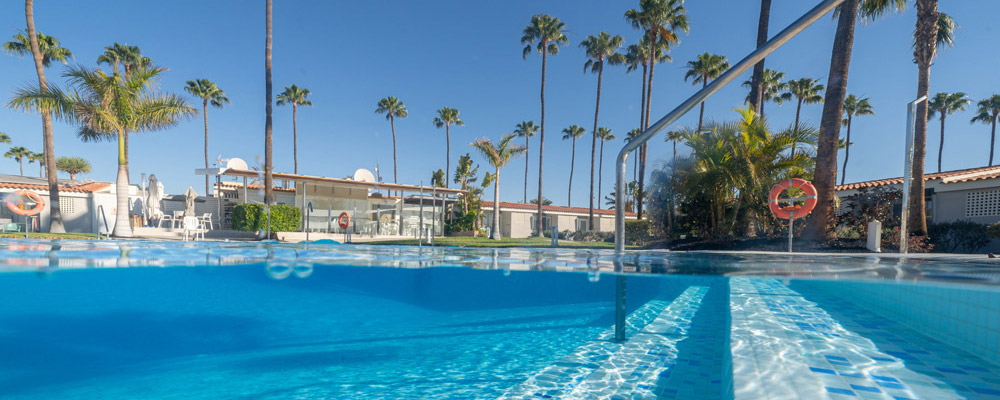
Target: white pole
[904, 232]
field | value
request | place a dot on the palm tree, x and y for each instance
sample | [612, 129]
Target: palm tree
[392, 108]
[804, 91]
[987, 112]
[4, 138]
[20, 46]
[498, 155]
[660, 20]
[73, 166]
[268, 165]
[546, 33]
[295, 96]
[545, 202]
[629, 137]
[108, 107]
[707, 67]
[758, 68]
[771, 88]
[40, 54]
[572, 132]
[944, 104]
[438, 179]
[526, 129]
[600, 49]
[209, 93]
[825, 175]
[933, 29]
[852, 106]
[606, 136]
[18, 154]
[465, 173]
[40, 158]
[446, 117]
[129, 58]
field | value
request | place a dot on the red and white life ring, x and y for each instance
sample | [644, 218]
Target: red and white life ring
[791, 211]
[16, 203]
[344, 220]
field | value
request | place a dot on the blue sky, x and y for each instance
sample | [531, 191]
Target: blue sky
[467, 55]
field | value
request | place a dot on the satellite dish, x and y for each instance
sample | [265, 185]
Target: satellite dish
[237, 163]
[364, 175]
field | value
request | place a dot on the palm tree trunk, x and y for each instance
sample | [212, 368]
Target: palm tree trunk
[593, 147]
[392, 124]
[941, 144]
[924, 49]
[447, 152]
[496, 207]
[267, 114]
[833, 110]
[600, 174]
[72, 176]
[541, 145]
[295, 138]
[572, 163]
[122, 226]
[758, 69]
[701, 112]
[847, 150]
[41, 168]
[642, 148]
[642, 122]
[993, 139]
[527, 141]
[48, 145]
[20, 163]
[798, 109]
[204, 113]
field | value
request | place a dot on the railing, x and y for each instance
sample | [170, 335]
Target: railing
[104, 218]
[730, 75]
[309, 210]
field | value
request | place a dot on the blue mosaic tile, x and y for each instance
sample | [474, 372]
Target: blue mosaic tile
[844, 392]
[866, 388]
[823, 370]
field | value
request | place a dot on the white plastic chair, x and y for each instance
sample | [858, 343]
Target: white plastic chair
[206, 221]
[192, 225]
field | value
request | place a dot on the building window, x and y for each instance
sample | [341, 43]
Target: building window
[582, 224]
[546, 222]
[66, 205]
[982, 204]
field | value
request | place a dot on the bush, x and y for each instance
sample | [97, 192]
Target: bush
[461, 223]
[967, 236]
[563, 235]
[592, 236]
[638, 232]
[865, 206]
[252, 217]
[993, 230]
[916, 244]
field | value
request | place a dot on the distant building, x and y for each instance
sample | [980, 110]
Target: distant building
[517, 220]
[78, 202]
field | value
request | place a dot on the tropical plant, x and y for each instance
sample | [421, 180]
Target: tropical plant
[465, 174]
[572, 133]
[20, 45]
[438, 179]
[660, 21]
[546, 34]
[803, 91]
[498, 155]
[4, 138]
[268, 111]
[209, 93]
[943, 104]
[772, 85]
[545, 202]
[129, 58]
[605, 135]
[39, 158]
[109, 107]
[702, 70]
[526, 129]
[447, 117]
[600, 49]
[987, 111]
[852, 106]
[392, 108]
[629, 137]
[631, 191]
[295, 96]
[758, 68]
[73, 166]
[18, 154]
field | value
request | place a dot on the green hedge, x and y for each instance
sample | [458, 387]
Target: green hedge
[638, 232]
[251, 217]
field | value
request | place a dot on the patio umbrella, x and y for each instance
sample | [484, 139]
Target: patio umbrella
[153, 197]
[189, 196]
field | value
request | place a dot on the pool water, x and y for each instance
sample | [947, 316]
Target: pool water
[154, 320]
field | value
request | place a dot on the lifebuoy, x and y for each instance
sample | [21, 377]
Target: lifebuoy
[16, 206]
[344, 220]
[792, 211]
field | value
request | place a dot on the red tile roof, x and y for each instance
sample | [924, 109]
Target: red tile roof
[962, 175]
[83, 188]
[577, 210]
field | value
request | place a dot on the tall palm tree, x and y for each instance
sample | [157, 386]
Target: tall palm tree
[526, 129]
[268, 165]
[572, 132]
[704, 69]
[498, 155]
[852, 106]
[295, 96]
[932, 30]
[40, 159]
[825, 175]
[546, 34]
[40, 54]
[987, 111]
[629, 137]
[209, 93]
[944, 104]
[447, 117]
[660, 20]
[772, 85]
[758, 68]
[73, 166]
[605, 135]
[18, 154]
[108, 107]
[639, 54]
[20, 46]
[392, 108]
[601, 49]
[129, 58]
[803, 91]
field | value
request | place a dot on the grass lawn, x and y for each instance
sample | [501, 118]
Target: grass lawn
[42, 235]
[468, 241]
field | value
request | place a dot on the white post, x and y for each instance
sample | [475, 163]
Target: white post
[555, 235]
[875, 236]
[904, 232]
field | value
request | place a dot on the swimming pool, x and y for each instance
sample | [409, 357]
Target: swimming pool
[157, 320]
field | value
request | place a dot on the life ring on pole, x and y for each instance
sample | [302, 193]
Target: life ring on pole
[792, 211]
[16, 204]
[344, 220]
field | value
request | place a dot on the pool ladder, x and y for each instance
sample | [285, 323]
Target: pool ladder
[104, 219]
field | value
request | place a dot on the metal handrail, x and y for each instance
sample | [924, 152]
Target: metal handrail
[911, 118]
[730, 75]
[107, 231]
[308, 217]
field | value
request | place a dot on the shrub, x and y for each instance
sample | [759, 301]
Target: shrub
[993, 230]
[638, 232]
[591, 236]
[563, 235]
[865, 206]
[461, 223]
[967, 236]
[252, 217]
[916, 244]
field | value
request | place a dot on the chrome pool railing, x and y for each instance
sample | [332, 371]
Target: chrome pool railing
[730, 75]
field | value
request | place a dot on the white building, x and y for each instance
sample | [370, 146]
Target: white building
[78, 201]
[517, 220]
